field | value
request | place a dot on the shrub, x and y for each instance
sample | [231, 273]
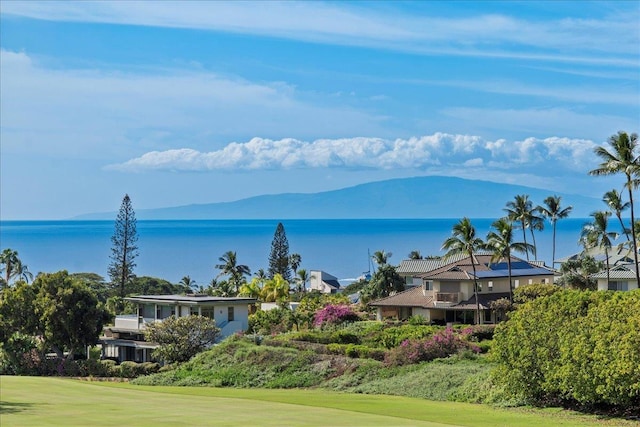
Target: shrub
[332, 315]
[440, 345]
[417, 319]
[345, 337]
[479, 332]
[581, 346]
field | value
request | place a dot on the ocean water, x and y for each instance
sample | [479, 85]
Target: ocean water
[173, 249]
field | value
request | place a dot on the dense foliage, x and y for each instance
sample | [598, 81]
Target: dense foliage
[181, 338]
[577, 346]
[333, 315]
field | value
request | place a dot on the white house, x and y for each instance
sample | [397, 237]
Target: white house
[125, 339]
[622, 277]
[323, 282]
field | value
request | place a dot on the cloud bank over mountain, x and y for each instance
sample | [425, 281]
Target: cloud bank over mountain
[441, 150]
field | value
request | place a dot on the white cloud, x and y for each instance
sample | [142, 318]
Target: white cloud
[444, 153]
[610, 39]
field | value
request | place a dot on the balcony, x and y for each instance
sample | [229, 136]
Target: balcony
[447, 299]
[132, 321]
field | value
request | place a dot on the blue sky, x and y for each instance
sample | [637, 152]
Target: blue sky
[197, 102]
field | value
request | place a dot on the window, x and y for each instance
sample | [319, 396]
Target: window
[618, 286]
[490, 286]
[194, 311]
[531, 281]
[428, 285]
[230, 314]
[516, 283]
[208, 312]
[545, 281]
[479, 286]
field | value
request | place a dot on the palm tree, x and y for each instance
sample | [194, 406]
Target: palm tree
[595, 234]
[520, 210]
[381, 257]
[613, 200]
[536, 223]
[415, 255]
[622, 159]
[302, 279]
[464, 241]
[553, 212]
[501, 243]
[22, 272]
[229, 266]
[260, 274]
[252, 289]
[9, 261]
[187, 282]
[275, 289]
[294, 261]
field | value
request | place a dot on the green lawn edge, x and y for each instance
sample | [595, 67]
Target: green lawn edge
[451, 413]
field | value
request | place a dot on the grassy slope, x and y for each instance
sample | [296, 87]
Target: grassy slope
[37, 401]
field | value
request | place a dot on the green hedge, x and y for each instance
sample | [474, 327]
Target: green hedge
[580, 346]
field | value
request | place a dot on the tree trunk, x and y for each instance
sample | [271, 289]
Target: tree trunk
[524, 236]
[553, 254]
[633, 230]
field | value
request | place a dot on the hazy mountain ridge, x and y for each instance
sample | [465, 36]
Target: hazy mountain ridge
[419, 197]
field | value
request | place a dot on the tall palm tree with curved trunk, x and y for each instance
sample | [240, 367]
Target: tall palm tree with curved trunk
[502, 244]
[596, 234]
[229, 266]
[613, 200]
[553, 211]
[521, 210]
[622, 159]
[464, 241]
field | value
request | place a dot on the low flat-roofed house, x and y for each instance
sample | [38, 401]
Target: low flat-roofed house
[446, 294]
[323, 282]
[125, 339]
[622, 277]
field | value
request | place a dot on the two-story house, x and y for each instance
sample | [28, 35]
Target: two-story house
[125, 339]
[446, 293]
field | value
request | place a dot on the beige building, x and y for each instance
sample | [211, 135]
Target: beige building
[446, 292]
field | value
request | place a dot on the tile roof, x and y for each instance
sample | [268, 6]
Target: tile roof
[413, 297]
[622, 271]
[485, 268]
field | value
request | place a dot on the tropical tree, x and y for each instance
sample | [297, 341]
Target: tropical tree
[381, 257]
[521, 210]
[124, 249]
[622, 159]
[294, 261]
[12, 266]
[181, 338]
[576, 273]
[502, 244]
[384, 282]
[596, 234]
[276, 289]
[229, 267]
[222, 288]
[252, 289]
[279, 256]
[553, 211]
[613, 200]
[464, 241]
[188, 283]
[415, 254]
[302, 279]
[260, 274]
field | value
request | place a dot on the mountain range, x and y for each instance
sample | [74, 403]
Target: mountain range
[418, 197]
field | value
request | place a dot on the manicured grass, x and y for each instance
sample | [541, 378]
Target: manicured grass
[37, 401]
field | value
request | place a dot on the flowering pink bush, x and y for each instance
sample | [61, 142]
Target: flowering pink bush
[334, 315]
[442, 344]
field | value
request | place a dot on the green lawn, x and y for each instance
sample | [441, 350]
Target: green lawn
[37, 401]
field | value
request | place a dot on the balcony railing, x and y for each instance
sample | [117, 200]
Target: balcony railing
[450, 297]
